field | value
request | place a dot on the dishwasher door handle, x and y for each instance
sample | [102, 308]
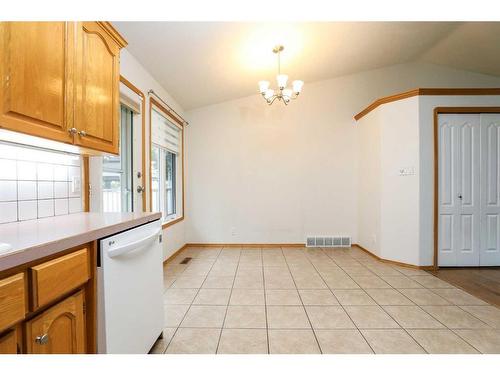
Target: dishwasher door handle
[114, 252]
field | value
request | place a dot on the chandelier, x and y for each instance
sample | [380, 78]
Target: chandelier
[283, 93]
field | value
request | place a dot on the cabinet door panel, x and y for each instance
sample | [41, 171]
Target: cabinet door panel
[9, 343]
[36, 68]
[97, 88]
[58, 330]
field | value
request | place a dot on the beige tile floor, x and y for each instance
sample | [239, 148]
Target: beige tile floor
[298, 300]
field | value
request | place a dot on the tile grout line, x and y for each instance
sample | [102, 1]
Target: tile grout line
[265, 301]
[380, 306]
[340, 304]
[303, 307]
[190, 305]
[177, 328]
[229, 300]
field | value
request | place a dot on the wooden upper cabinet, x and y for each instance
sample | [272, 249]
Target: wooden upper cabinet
[97, 86]
[58, 330]
[36, 68]
[60, 81]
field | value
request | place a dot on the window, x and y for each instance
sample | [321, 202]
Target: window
[166, 165]
[117, 170]
[164, 180]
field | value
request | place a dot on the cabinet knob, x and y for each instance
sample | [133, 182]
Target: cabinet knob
[42, 339]
[72, 131]
[82, 133]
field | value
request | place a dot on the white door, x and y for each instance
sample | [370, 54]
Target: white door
[459, 193]
[490, 189]
[469, 190]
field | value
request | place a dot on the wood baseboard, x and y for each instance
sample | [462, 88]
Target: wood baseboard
[246, 244]
[401, 264]
[172, 256]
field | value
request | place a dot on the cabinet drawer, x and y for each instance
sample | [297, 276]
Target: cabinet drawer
[12, 300]
[56, 277]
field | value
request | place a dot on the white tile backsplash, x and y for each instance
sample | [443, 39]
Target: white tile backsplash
[8, 212]
[75, 205]
[26, 190]
[27, 210]
[45, 208]
[36, 183]
[45, 172]
[8, 191]
[8, 169]
[45, 189]
[61, 206]
[61, 189]
[26, 170]
[60, 173]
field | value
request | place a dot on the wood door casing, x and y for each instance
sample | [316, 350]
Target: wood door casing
[97, 87]
[64, 324]
[36, 68]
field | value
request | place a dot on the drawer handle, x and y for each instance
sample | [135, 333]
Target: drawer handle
[42, 339]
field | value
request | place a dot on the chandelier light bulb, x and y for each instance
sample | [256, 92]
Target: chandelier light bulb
[268, 94]
[282, 79]
[287, 94]
[297, 86]
[263, 86]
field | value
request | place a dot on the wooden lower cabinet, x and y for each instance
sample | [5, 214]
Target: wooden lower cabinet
[58, 330]
[10, 342]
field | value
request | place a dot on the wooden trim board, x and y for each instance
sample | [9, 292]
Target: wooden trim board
[246, 244]
[393, 262]
[174, 254]
[437, 111]
[132, 87]
[426, 91]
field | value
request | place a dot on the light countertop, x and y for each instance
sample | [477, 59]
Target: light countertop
[35, 239]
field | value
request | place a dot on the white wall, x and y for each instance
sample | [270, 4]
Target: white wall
[388, 221]
[131, 69]
[260, 174]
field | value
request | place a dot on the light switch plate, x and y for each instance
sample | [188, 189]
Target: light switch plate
[76, 184]
[406, 171]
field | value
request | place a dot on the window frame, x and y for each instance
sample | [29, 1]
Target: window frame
[157, 106]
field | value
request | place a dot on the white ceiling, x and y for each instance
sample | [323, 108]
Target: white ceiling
[201, 63]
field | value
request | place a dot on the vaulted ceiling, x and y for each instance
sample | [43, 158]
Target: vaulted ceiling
[201, 63]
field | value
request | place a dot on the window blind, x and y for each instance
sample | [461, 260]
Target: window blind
[164, 133]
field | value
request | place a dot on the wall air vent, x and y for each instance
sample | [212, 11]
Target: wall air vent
[328, 241]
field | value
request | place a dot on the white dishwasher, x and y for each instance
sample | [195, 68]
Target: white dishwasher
[130, 290]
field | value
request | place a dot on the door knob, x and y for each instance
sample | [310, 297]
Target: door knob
[140, 189]
[42, 339]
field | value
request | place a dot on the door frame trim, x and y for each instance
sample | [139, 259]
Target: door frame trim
[437, 112]
[135, 89]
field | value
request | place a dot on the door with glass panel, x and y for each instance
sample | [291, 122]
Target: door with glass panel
[118, 171]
